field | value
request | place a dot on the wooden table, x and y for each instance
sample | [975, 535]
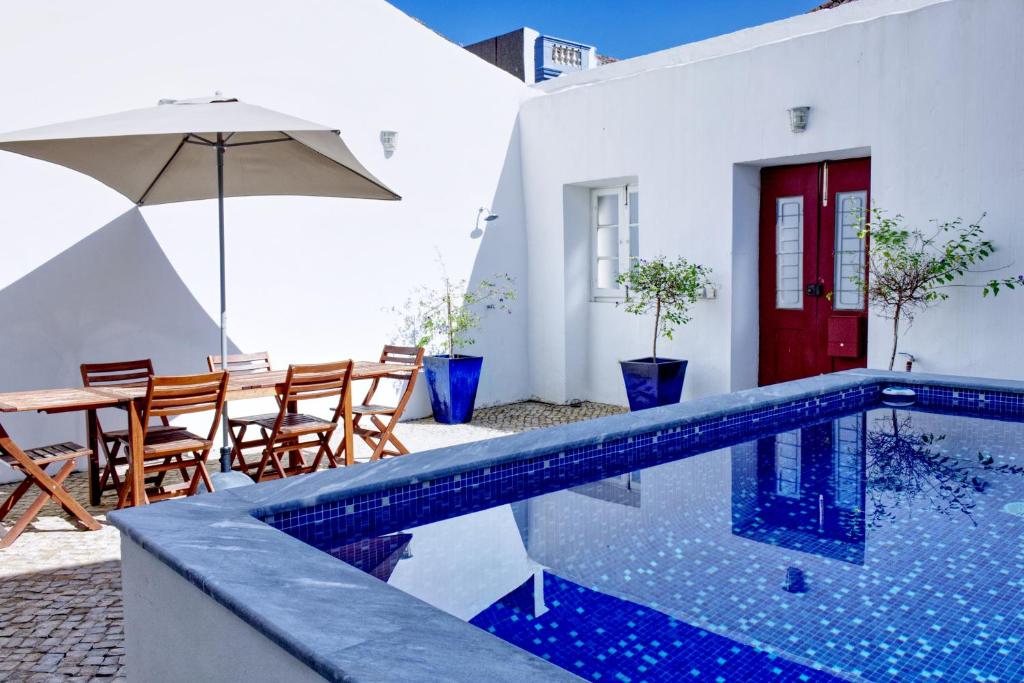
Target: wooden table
[240, 387]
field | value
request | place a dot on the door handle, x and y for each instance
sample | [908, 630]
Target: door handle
[815, 289]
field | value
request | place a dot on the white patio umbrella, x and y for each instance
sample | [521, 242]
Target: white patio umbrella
[183, 150]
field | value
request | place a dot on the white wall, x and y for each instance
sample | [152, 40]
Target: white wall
[194, 638]
[931, 89]
[359, 65]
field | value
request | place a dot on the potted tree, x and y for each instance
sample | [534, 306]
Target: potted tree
[442, 319]
[667, 289]
[910, 270]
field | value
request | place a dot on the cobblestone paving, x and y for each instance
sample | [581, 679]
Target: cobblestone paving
[60, 588]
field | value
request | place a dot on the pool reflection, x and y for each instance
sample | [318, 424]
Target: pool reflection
[804, 489]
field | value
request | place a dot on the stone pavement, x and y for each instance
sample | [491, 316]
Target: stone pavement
[60, 588]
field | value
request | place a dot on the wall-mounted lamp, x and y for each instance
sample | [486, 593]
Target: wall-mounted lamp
[798, 118]
[485, 214]
[708, 292]
[389, 141]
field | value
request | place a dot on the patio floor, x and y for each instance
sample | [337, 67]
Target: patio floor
[60, 588]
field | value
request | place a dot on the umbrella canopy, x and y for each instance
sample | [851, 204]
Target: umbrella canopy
[167, 153]
[183, 150]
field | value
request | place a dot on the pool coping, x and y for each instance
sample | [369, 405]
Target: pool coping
[218, 544]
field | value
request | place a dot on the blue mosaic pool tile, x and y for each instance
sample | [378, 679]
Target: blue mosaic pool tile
[989, 403]
[607, 638]
[381, 512]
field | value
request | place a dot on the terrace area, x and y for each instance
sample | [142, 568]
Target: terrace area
[60, 589]
[702, 363]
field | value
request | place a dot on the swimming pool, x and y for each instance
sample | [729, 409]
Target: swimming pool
[899, 525]
[657, 545]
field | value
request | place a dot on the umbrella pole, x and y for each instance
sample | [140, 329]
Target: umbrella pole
[225, 451]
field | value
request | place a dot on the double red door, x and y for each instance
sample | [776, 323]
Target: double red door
[813, 313]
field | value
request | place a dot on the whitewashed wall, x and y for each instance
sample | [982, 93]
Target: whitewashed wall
[932, 90]
[82, 280]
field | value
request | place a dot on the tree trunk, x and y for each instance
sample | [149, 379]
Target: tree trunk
[895, 337]
[451, 330]
[657, 323]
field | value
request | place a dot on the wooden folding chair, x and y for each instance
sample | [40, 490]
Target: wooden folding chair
[33, 464]
[132, 373]
[164, 450]
[290, 431]
[243, 364]
[378, 434]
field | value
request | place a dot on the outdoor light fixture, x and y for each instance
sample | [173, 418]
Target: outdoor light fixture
[389, 141]
[798, 117]
[487, 215]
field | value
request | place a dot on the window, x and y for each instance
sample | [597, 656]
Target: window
[787, 464]
[789, 253]
[849, 251]
[848, 460]
[614, 238]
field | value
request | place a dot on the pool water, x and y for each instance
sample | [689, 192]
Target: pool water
[882, 545]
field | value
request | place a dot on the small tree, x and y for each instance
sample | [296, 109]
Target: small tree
[666, 288]
[442, 318]
[910, 271]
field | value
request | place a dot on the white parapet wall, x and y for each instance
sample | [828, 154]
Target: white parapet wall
[175, 632]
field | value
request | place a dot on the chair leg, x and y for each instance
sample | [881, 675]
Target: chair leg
[122, 493]
[15, 496]
[107, 471]
[275, 459]
[236, 450]
[185, 476]
[261, 468]
[110, 466]
[399, 446]
[126, 487]
[325, 449]
[340, 453]
[37, 505]
[385, 434]
[204, 474]
[200, 475]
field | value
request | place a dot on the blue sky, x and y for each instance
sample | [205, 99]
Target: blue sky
[619, 28]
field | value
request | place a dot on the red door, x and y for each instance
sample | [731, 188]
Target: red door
[813, 315]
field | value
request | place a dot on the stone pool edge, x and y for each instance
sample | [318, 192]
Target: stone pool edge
[377, 632]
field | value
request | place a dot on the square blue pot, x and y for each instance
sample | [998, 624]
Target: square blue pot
[452, 384]
[653, 382]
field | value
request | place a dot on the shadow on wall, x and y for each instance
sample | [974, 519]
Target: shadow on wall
[112, 296]
[502, 339]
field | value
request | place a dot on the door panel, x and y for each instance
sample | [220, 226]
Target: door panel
[846, 191]
[787, 321]
[812, 314]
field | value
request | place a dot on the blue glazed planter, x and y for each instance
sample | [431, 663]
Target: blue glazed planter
[650, 384]
[452, 383]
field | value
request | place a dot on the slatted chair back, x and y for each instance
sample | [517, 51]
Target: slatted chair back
[313, 382]
[119, 374]
[292, 431]
[170, 396]
[318, 381]
[242, 363]
[131, 373]
[412, 356]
